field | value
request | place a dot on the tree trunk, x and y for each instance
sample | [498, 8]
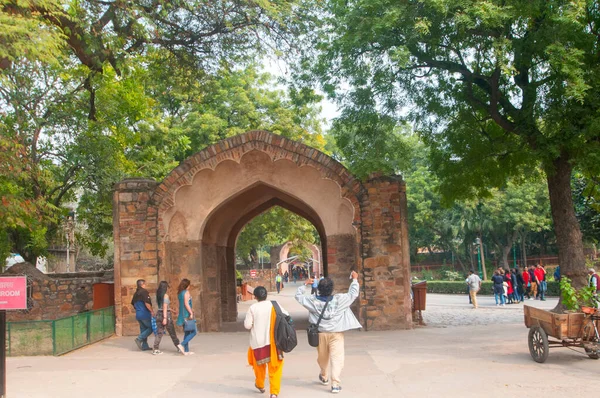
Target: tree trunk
[566, 226]
[505, 253]
[524, 248]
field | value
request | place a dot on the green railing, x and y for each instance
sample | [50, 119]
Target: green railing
[59, 336]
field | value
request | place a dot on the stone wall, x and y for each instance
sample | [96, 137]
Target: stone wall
[136, 250]
[264, 277]
[57, 295]
[386, 264]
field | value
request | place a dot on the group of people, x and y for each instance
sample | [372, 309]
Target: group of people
[331, 312]
[163, 317]
[511, 286]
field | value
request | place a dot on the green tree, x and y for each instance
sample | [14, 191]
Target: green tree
[496, 88]
[274, 227]
[513, 210]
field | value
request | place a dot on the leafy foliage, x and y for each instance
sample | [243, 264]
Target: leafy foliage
[497, 89]
[573, 299]
[275, 227]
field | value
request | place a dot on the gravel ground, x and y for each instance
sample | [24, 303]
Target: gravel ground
[445, 310]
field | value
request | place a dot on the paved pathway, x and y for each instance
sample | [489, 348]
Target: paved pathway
[489, 358]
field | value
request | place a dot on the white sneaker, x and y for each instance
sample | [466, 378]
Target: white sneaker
[504, 305]
[156, 352]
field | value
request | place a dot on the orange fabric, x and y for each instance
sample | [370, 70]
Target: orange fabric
[275, 364]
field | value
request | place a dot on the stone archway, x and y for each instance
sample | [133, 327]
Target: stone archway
[281, 253]
[187, 225]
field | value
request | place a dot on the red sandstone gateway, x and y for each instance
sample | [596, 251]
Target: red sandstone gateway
[187, 225]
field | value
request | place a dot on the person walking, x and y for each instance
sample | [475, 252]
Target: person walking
[520, 285]
[278, 281]
[260, 320]
[526, 283]
[534, 282]
[474, 283]
[540, 275]
[143, 314]
[337, 318]
[314, 285]
[185, 312]
[515, 284]
[164, 319]
[594, 284]
[498, 287]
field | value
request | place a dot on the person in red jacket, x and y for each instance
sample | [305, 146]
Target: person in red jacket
[526, 283]
[540, 275]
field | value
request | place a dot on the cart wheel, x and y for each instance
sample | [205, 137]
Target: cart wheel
[538, 344]
[593, 354]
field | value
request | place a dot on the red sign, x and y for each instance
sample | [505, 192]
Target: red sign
[252, 273]
[13, 293]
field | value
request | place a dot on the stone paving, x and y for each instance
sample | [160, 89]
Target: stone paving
[455, 310]
[488, 357]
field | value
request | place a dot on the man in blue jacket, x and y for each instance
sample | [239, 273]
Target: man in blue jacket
[143, 314]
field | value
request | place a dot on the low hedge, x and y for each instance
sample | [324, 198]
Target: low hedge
[459, 287]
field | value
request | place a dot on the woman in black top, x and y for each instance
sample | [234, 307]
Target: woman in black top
[498, 279]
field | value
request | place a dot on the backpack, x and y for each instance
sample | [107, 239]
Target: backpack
[285, 334]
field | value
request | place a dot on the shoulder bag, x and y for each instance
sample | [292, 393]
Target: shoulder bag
[189, 325]
[313, 329]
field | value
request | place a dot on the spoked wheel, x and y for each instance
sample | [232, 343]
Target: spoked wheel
[593, 354]
[538, 344]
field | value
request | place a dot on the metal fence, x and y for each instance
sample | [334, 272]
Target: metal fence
[59, 336]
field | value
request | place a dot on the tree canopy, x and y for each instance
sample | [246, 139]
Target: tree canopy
[496, 89]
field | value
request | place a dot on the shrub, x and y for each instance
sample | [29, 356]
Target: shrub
[448, 275]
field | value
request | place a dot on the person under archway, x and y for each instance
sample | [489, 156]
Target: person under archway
[337, 318]
[164, 319]
[185, 312]
[260, 320]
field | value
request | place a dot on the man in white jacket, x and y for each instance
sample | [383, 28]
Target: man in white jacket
[337, 318]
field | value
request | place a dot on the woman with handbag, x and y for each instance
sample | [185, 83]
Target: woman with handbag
[186, 315]
[164, 320]
[331, 316]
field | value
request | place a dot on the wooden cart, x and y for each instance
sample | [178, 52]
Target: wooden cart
[578, 330]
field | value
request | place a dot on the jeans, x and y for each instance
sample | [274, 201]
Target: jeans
[187, 336]
[145, 331]
[543, 289]
[501, 295]
[278, 284]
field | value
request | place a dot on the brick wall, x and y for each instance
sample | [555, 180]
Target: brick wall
[264, 277]
[57, 295]
[386, 272]
[136, 249]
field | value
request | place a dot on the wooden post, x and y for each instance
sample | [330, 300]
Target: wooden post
[3, 353]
